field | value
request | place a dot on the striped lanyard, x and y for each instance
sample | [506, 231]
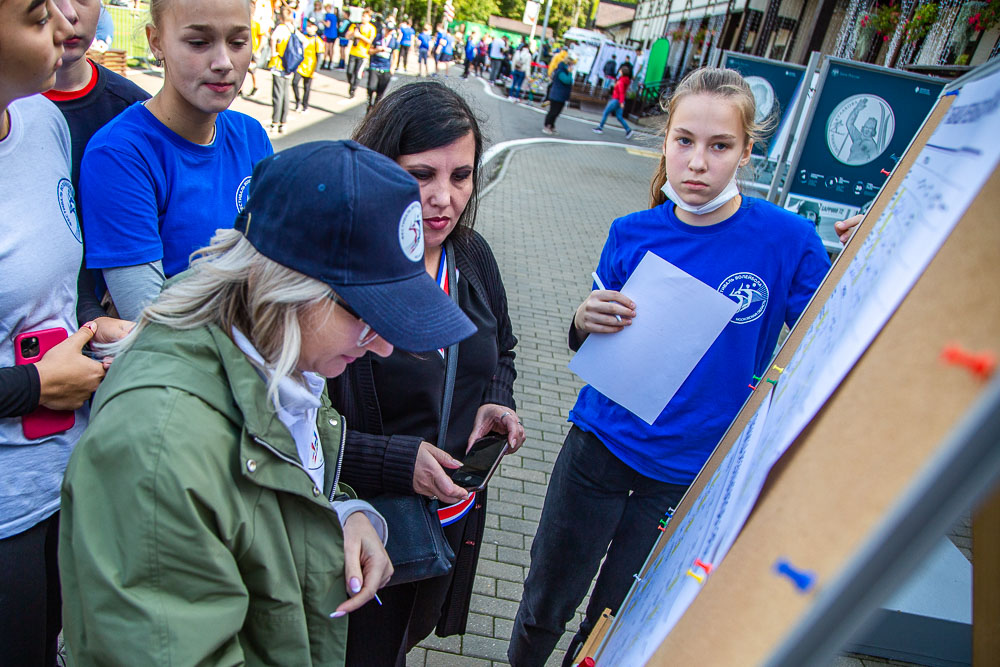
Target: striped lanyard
[442, 280]
[452, 513]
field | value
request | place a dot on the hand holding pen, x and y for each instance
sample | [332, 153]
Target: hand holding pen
[366, 564]
[603, 311]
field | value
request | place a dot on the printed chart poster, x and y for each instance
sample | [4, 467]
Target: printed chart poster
[862, 122]
[773, 84]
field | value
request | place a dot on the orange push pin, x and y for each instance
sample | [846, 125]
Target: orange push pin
[982, 364]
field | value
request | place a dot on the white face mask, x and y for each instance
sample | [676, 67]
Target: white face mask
[729, 193]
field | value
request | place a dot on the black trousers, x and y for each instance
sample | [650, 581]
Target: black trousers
[404, 53]
[378, 81]
[354, 64]
[555, 108]
[381, 636]
[595, 504]
[307, 82]
[30, 601]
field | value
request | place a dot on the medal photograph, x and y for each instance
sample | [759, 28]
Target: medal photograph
[859, 129]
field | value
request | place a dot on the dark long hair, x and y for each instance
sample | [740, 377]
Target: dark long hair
[420, 117]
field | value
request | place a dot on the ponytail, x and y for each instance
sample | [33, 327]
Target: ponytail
[656, 196]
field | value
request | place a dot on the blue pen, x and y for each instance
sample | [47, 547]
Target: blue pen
[600, 285]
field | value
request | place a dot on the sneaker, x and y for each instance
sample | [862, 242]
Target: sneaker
[629, 134]
[272, 129]
[548, 130]
[598, 130]
[281, 128]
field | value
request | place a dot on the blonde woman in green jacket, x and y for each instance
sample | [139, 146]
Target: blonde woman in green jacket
[203, 519]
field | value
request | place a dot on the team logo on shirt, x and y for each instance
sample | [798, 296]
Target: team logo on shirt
[242, 194]
[315, 452]
[67, 204]
[750, 292]
[411, 232]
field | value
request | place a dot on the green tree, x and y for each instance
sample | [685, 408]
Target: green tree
[476, 10]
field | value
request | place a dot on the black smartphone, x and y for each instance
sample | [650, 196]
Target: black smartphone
[481, 462]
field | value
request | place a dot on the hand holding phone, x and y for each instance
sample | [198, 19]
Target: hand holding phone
[481, 461]
[67, 377]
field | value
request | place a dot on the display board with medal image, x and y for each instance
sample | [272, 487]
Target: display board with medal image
[861, 121]
[775, 86]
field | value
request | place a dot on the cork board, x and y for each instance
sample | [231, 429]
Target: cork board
[826, 497]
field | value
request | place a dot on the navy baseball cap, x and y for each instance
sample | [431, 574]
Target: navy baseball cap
[351, 218]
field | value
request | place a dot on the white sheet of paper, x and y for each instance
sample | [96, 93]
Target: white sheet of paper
[678, 317]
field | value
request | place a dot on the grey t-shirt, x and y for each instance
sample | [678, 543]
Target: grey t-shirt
[40, 255]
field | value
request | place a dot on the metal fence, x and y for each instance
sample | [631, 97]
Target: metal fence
[130, 30]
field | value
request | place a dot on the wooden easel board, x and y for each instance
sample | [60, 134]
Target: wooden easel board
[832, 495]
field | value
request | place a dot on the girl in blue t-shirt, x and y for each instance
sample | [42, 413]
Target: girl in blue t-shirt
[616, 474]
[158, 180]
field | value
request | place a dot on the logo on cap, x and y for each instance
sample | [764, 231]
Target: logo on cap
[411, 232]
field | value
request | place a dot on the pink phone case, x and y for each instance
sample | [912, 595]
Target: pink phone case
[43, 421]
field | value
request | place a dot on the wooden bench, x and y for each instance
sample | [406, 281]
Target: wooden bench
[114, 59]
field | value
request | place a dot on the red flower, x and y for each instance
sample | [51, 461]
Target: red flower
[885, 38]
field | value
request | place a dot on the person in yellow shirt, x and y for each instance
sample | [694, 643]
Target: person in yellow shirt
[363, 35]
[279, 77]
[312, 47]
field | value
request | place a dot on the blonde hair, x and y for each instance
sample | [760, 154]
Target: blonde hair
[231, 284]
[724, 83]
[157, 7]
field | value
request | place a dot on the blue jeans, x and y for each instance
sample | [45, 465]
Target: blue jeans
[593, 501]
[515, 87]
[614, 105]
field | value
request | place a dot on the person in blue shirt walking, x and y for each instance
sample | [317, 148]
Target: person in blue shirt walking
[445, 52]
[406, 35]
[158, 180]
[424, 40]
[470, 52]
[379, 64]
[617, 475]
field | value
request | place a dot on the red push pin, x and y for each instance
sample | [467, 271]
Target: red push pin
[982, 364]
[703, 565]
[884, 172]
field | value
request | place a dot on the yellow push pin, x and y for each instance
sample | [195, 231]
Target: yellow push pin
[778, 368]
[697, 577]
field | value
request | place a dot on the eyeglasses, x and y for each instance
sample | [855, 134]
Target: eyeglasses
[367, 335]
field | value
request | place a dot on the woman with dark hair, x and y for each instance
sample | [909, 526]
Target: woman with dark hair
[394, 404]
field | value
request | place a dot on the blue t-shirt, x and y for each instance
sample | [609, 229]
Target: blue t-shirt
[470, 49]
[407, 38]
[767, 259]
[147, 193]
[330, 34]
[380, 62]
[425, 40]
[447, 45]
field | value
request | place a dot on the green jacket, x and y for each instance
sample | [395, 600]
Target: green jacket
[190, 533]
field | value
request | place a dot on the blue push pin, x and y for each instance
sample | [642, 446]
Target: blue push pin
[802, 579]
